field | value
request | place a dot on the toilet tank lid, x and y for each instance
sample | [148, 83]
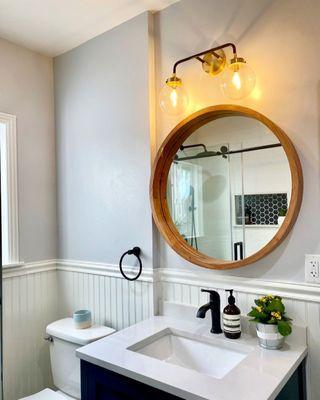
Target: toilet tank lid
[65, 329]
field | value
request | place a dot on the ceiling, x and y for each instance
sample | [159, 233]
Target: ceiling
[53, 27]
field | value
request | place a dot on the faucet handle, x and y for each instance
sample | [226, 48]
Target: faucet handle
[213, 293]
[208, 291]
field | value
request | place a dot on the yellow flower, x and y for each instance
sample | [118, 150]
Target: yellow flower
[270, 296]
[276, 315]
[259, 309]
[263, 299]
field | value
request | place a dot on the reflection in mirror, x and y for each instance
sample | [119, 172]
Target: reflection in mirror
[229, 187]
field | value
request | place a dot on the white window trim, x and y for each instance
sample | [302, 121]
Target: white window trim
[9, 180]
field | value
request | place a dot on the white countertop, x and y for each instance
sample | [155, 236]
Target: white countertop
[261, 375]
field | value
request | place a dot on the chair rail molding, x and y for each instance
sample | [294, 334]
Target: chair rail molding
[104, 269]
[8, 141]
[21, 269]
[298, 291]
[306, 292]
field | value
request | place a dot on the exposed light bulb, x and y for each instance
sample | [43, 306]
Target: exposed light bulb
[173, 98]
[238, 79]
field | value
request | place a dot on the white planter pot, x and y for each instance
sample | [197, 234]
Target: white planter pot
[280, 220]
[269, 336]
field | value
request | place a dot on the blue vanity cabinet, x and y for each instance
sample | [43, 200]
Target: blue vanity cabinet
[295, 388]
[101, 384]
[98, 383]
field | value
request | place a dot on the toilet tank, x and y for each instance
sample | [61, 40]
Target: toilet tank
[66, 339]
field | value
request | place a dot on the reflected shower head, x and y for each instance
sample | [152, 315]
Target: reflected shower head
[206, 153]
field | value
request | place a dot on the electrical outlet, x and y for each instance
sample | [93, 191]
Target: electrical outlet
[312, 268]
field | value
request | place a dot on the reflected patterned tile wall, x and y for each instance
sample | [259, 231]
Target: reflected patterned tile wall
[260, 209]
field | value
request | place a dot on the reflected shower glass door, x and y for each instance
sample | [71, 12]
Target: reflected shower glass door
[216, 240]
[200, 198]
[237, 205]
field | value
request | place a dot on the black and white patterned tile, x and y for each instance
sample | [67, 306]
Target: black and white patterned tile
[262, 208]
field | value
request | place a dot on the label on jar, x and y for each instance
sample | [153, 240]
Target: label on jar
[231, 323]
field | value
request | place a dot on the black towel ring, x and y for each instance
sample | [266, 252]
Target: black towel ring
[135, 251]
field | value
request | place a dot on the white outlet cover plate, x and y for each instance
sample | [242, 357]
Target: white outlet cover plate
[312, 268]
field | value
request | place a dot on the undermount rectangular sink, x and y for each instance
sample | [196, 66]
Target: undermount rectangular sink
[204, 355]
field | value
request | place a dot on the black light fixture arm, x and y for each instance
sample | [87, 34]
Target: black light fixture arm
[198, 55]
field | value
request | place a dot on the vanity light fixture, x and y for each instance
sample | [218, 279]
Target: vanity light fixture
[237, 78]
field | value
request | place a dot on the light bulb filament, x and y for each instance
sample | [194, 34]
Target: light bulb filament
[174, 98]
[236, 80]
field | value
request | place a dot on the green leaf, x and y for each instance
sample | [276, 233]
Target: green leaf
[276, 305]
[259, 316]
[253, 313]
[284, 328]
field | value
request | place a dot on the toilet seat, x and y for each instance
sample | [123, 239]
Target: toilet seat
[47, 394]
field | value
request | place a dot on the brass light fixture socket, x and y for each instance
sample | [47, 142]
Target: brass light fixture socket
[174, 81]
[214, 62]
[236, 59]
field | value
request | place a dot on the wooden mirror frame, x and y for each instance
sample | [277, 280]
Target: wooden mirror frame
[160, 171]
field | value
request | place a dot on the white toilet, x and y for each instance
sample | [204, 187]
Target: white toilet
[64, 340]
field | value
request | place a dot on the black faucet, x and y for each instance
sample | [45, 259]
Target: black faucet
[214, 306]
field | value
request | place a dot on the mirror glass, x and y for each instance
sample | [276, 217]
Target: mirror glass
[229, 187]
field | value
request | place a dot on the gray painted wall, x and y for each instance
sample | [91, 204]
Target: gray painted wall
[270, 35]
[26, 90]
[103, 145]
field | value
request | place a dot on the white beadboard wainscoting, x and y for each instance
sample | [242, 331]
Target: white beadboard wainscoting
[113, 300]
[29, 305]
[39, 293]
[302, 303]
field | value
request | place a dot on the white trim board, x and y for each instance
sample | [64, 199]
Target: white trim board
[9, 271]
[103, 269]
[299, 291]
[9, 181]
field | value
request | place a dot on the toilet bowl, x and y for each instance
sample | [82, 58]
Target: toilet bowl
[65, 339]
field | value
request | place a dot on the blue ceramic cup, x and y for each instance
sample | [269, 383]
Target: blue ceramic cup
[82, 319]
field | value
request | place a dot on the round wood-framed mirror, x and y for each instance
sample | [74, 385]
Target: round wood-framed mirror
[224, 175]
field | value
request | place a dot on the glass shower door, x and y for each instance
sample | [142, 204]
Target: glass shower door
[205, 198]
[237, 205]
[217, 238]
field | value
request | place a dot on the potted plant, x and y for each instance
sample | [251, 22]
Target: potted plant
[282, 215]
[272, 323]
